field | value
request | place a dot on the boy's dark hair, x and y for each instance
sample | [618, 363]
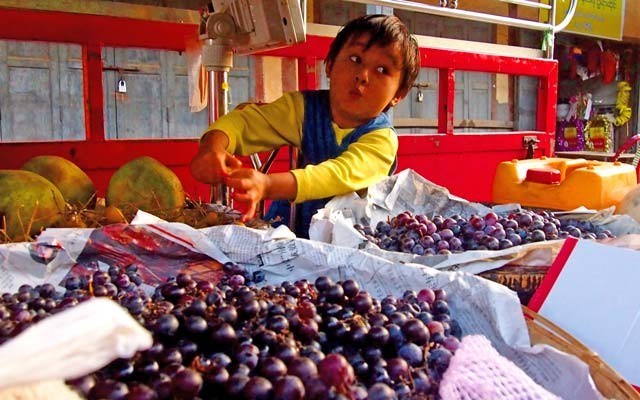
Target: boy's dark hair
[383, 30]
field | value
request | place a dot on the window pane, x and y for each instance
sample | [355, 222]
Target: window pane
[41, 96]
[155, 103]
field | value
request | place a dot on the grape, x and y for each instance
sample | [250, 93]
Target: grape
[166, 325]
[289, 388]
[505, 244]
[335, 370]
[417, 234]
[418, 249]
[439, 359]
[451, 343]
[524, 219]
[402, 390]
[415, 331]
[141, 392]
[272, 368]
[431, 227]
[236, 281]
[108, 389]
[421, 382]
[362, 302]
[537, 235]
[427, 242]
[491, 243]
[491, 219]
[236, 341]
[316, 389]
[323, 283]
[442, 245]
[223, 335]
[398, 369]
[350, 287]
[302, 367]
[427, 295]
[257, 388]
[499, 234]
[277, 323]
[235, 385]
[412, 353]
[514, 239]
[446, 234]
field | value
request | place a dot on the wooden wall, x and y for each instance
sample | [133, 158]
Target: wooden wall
[631, 32]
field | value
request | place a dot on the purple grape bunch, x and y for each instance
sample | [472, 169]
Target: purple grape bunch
[300, 340]
[418, 234]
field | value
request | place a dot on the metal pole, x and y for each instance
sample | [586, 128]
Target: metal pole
[551, 33]
[221, 90]
[211, 96]
[294, 154]
[471, 15]
[257, 164]
[216, 190]
[218, 94]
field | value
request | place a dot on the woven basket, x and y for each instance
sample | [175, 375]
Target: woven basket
[607, 380]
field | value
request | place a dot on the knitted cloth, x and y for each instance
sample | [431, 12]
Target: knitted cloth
[478, 372]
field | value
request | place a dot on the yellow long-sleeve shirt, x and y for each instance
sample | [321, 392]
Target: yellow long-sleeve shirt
[257, 128]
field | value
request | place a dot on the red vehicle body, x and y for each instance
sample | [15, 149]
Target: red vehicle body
[463, 162]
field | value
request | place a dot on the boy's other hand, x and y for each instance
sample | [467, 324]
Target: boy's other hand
[250, 186]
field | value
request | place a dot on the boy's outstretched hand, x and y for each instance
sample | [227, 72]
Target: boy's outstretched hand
[213, 163]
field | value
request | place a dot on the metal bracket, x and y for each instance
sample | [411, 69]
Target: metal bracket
[530, 143]
[119, 69]
[421, 85]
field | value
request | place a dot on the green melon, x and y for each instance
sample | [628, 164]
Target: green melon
[28, 203]
[146, 184]
[74, 184]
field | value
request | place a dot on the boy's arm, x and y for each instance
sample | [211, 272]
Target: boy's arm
[252, 129]
[364, 163]
[256, 128]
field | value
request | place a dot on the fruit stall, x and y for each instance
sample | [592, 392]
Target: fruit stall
[117, 289]
[442, 157]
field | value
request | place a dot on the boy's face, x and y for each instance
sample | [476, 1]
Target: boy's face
[364, 82]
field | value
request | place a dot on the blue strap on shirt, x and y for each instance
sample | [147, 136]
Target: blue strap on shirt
[319, 144]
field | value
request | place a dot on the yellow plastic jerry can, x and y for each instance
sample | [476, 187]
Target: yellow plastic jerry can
[562, 183]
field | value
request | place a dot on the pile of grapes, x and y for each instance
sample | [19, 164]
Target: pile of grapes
[301, 340]
[420, 235]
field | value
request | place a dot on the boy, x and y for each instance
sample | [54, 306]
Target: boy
[346, 139]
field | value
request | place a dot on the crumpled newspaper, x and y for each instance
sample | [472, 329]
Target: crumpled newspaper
[405, 191]
[71, 344]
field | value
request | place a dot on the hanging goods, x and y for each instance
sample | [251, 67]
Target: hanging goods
[623, 111]
[598, 134]
[608, 66]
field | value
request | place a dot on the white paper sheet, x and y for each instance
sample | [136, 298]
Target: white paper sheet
[596, 299]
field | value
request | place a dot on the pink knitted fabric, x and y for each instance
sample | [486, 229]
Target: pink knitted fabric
[478, 372]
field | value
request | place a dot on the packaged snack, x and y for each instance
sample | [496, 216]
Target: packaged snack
[570, 135]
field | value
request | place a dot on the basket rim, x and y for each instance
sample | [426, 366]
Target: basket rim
[601, 372]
